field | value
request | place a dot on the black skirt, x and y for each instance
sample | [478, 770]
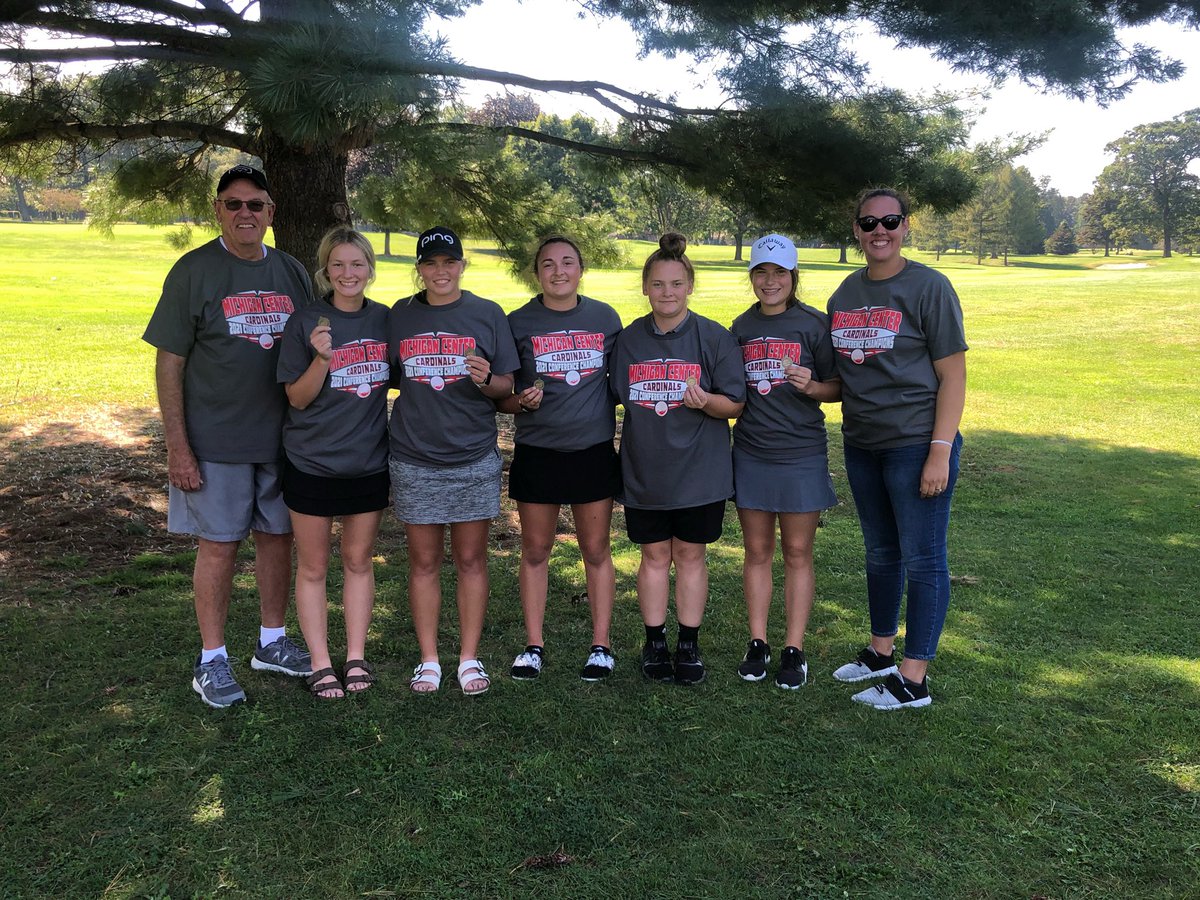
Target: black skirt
[319, 495]
[539, 475]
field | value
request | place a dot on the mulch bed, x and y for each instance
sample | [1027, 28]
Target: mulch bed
[83, 498]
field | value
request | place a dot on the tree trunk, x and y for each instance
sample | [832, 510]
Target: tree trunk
[1167, 234]
[23, 209]
[737, 246]
[308, 185]
[387, 242]
[842, 253]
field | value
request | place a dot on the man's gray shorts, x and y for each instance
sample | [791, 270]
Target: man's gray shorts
[234, 499]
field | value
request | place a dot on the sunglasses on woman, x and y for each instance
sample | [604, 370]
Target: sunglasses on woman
[868, 223]
[233, 205]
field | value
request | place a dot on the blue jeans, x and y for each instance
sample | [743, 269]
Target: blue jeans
[905, 538]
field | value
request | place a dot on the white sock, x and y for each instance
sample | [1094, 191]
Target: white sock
[269, 635]
[207, 656]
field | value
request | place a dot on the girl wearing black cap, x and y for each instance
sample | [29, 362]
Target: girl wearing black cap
[452, 354]
[780, 461]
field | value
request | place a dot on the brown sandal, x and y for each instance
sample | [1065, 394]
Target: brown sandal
[368, 679]
[316, 689]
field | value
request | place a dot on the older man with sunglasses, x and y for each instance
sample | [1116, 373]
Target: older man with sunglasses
[217, 328]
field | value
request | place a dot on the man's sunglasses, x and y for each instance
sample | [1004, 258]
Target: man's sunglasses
[234, 205]
[868, 223]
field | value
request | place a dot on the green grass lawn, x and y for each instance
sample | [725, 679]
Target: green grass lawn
[1061, 757]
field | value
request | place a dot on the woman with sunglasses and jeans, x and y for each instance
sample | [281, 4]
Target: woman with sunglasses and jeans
[897, 332]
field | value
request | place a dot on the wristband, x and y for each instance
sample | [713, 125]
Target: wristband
[488, 380]
[947, 443]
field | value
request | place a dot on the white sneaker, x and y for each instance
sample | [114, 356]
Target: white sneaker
[528, 664]
[869, 664]
[895, 693]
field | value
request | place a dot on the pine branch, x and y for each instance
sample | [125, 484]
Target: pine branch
[596, 90]
[170, 130]
[112, 53]
[635, 156]
[147, 33]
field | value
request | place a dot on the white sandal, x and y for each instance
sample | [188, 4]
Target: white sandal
[426, 673]
[473, 665]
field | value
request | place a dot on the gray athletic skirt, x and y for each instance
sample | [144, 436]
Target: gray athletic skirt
[429, 495]
[782, 485]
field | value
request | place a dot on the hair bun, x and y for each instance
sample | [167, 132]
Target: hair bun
[673, 244]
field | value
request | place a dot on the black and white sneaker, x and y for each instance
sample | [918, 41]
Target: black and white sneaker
[689, 667]
[793, 669]
[869, 664]
[753, 666]
[599, 665]
[656, 661]
[896, 692]
[528, 664]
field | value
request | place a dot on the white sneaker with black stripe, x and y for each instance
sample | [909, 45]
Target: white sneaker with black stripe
[528, 664]
[599, 665]
[867, 665]
[896, 692]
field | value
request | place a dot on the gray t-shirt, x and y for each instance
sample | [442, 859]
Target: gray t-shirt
[226, 315]
[343, 432]
[441, 417]
[886, 335]
[780, 422]
[569, 352]
[674, 457]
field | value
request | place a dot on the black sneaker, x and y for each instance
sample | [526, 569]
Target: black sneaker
[896, 692]
[753, 666]
[528, 664]
[793, 669]
[656, 661]
[689, 667]
[599, 664]
[869, 664]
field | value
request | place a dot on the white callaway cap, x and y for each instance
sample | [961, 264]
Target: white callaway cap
[774, 248]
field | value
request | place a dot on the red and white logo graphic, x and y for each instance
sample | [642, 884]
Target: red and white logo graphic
[865, 332]
[659, 384]
[764, 361]
[436, 358]
[569, 356]
[359, 367]
[258, 316]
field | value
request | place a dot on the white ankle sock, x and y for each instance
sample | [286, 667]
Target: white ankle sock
[207, 656]
[269, 635]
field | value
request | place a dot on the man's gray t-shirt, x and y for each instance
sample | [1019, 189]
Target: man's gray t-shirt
[343, 432]
[674, 457]
[569, 352]
[441, 417]
[225, 315]
[886, 335]
[780, 422]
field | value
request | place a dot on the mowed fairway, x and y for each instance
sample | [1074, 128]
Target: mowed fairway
[1061, 757]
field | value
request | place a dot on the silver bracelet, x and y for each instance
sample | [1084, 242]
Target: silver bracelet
[947, 443]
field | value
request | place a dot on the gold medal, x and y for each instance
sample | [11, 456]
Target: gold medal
[540, 385]
[691, 381]
[324, 320]
[786, 361]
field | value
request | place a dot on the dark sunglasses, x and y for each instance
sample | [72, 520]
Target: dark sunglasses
[252, 205]
[868, 223]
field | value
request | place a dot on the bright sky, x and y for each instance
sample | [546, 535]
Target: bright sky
[547, 39]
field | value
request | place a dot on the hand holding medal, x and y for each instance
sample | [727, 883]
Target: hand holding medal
[321, 338]
[695, 397]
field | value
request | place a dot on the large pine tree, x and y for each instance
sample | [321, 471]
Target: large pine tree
[302, 83]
